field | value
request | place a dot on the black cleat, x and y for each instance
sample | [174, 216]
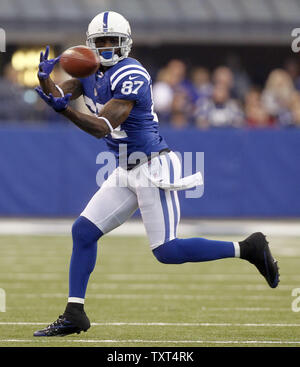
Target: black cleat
[66, 324]
[60, 327]
[256, 250]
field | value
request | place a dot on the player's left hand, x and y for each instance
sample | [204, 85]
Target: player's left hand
[59, 104]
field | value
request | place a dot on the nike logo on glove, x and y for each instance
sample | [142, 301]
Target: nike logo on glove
[133, 77]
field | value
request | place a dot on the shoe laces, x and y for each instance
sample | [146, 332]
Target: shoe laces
[56, 323]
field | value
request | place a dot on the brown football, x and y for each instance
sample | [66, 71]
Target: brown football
[79, 61]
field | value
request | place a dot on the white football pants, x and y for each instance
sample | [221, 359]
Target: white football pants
[126, 191]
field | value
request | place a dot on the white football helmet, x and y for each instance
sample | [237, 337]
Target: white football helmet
[110, 24]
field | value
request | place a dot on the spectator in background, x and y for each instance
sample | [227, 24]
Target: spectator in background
[222, 75]
[178, 69]
[206, 99]
[277, 96]
[181, 112]
[290, 116]
[292, 67]
[220, 111]
[170, 89]
[163, 93]
[296, 115]
[255, 113]
[241, 80]
[179, 120]
[202, 86]
[295, 109]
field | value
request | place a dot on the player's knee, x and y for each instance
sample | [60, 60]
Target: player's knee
[85, 232]
[160, 255]
[169, 252]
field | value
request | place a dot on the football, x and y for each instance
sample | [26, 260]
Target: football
[79, 61]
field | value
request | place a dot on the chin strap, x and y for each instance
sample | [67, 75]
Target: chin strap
[109, 61]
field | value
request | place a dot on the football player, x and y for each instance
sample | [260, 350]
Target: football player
[119, 95]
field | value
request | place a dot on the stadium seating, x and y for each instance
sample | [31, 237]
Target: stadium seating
[222, 15]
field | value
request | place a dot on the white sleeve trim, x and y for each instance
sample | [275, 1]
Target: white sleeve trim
[116, 81]
[60, 90]
[107, 123]
[131, 66]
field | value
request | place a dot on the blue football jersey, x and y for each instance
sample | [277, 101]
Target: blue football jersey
[129, 80]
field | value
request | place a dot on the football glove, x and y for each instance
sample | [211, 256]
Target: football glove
[59, 104]
[46, 66]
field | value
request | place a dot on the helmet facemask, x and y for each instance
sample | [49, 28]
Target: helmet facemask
[110, 55]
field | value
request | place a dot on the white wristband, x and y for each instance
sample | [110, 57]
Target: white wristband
[107, 123]
[60, 90]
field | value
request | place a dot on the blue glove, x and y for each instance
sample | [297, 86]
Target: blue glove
[46, 66]
[59, 104]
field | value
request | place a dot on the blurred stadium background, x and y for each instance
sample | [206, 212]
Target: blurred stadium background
[226, 82]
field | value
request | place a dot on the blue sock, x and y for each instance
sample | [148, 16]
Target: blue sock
[85, 236]
[180, 251]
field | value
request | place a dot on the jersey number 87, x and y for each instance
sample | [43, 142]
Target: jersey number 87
[130, 87]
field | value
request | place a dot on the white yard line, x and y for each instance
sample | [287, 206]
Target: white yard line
[180, 324]
[190, 277]
[129, 341]
[190, 286]
[57, 226]
[133, 277]
[151, 296]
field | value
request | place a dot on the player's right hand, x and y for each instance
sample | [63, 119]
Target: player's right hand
[46, 66]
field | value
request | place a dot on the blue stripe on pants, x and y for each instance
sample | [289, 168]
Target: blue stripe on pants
[164, 205]
[171, 219]
[172, 179]
[175, 211]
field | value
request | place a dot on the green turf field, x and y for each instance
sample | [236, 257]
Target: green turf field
[133, 300]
